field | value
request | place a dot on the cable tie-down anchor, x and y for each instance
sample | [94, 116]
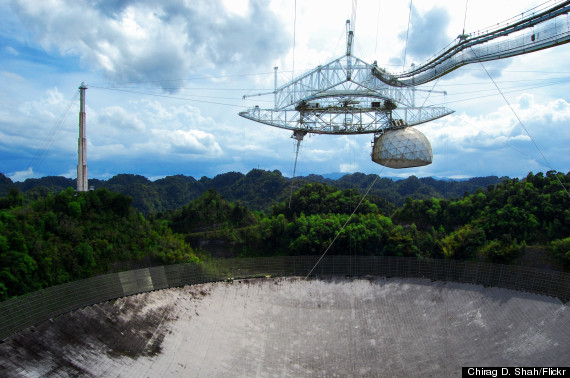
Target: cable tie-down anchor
[298, 135]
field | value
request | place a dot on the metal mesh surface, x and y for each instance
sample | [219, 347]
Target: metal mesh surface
[19, 313]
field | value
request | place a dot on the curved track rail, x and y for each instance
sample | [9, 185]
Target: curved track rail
[539, 31]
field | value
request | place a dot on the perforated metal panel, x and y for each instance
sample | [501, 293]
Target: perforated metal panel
[21, 312]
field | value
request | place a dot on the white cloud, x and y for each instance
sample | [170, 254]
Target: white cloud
[22, 175]
[319, 155]
[12, 51]
[191, 142]
[552, 112]
[166, 129]
[158, 41]
[42, 125]
[70, 173]
[526, 101]
[427, 34]
[117, 117]
[237, 7]
[497, 143]
[47, 108]
[207, 47]
[348, 168]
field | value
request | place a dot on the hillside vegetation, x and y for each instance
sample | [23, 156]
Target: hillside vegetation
[258, 189]
[495, 224]
[68, 236]
[47, 239]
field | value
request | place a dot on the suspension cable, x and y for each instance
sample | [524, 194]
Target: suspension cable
[353, 16]
[522, 124]
[407, 35]
[41, 153]
[165, 96]
[294, 38]
[345, 223]
[465, 17]
[299, 140]
[430, 92]
[377, 29]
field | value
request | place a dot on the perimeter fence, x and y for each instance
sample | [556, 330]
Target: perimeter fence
[19, 313]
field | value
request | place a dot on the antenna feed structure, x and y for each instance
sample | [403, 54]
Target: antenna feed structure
[349, 96]
[343, 97]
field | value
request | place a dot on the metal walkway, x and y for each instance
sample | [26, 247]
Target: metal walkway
[540, 30]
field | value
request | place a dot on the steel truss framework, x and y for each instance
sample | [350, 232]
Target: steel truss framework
[540, 30]
[343, 97]
[350, 96]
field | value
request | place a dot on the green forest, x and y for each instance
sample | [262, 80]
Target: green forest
[258, 189]
[50, 235]
[67, 236]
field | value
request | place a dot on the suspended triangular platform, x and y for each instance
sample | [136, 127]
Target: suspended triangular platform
[344, 96]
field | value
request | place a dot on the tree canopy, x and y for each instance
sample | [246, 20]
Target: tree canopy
[47, 238]
[67, 236]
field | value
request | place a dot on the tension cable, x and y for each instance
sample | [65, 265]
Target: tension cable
[345, 223]
[522, 124]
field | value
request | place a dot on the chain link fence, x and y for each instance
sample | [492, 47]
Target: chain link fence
[25, 311]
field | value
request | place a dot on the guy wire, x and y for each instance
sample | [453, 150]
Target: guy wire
[345, 223]
[522, 124]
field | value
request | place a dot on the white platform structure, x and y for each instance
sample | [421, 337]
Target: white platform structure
[350, 96]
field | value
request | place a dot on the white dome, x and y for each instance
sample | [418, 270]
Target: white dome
[402, 148]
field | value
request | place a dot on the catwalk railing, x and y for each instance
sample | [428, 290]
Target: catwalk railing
[19, 313]
[537, 31]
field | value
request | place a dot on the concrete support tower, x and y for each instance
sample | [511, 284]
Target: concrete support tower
[82, 185]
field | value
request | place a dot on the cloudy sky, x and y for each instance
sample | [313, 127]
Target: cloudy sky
[166, 79]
